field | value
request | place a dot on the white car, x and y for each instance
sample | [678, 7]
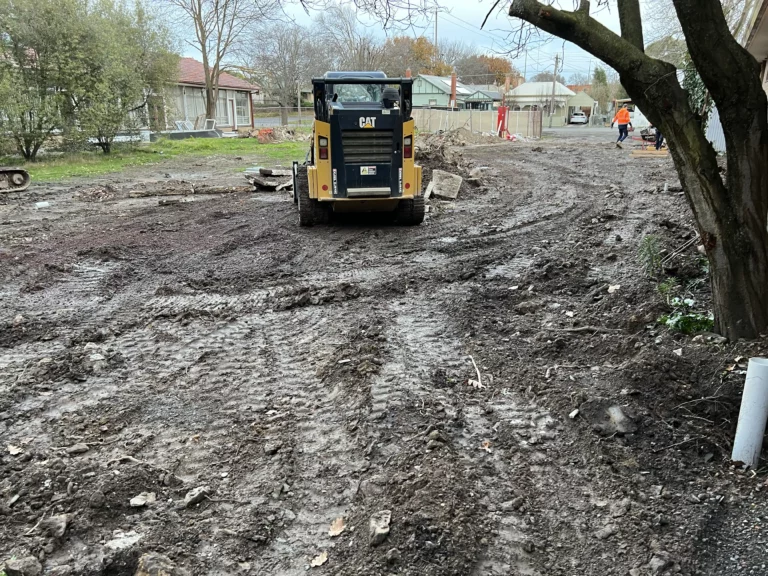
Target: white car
[579, 118]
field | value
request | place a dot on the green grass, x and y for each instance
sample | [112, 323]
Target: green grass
[54, 168]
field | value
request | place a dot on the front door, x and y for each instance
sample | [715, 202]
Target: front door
[233, 114]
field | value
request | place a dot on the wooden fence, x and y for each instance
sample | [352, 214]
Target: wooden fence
[527, 124]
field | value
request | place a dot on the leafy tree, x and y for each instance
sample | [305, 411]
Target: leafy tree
[730, 214]
[134, 59]
[500, 68]
[38, 53]
[599, 76]
[27, 114]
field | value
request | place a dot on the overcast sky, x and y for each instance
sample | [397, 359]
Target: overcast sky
[461, 20]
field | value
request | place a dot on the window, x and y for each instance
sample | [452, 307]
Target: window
[358, 92]
[432, 102]
[222, 115]
[241, 105]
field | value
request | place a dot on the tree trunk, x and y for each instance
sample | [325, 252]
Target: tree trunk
[210, 102]
[731, 216]
[284, 115]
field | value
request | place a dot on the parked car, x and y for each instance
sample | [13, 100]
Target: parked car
[579, 118]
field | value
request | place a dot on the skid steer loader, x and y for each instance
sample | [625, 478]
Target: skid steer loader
[361, 158]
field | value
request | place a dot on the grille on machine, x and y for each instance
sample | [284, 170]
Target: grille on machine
[367, 146]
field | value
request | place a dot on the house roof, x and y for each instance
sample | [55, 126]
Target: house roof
[486, 95]
[191, 72]
[581, 99]
[756, 36]
[443, 83]
[541, 89]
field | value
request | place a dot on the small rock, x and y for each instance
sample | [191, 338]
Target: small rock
[78, 449]
[378, 527]
[143, 499]
[27, 566]
[527, 307]
[97, 500]
[272, 447]
[123, 540]
[434, 445]
[155, 565]
[621, 508]
[196, 495]
[573, 414]
[55, 526]
[606, 532]
[658, 564]
[635, 572]
[393, 556]
[63, 570]
[19, 319]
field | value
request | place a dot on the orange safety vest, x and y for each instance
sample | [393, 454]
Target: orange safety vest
[622, 116]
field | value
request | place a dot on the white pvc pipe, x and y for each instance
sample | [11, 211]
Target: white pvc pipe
[753, 414]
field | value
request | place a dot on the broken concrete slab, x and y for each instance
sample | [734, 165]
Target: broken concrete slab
[428, 191]
[262, 182]
[279, 172]
[446, 185]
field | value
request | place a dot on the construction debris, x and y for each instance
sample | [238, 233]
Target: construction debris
[446, 185]
[269, 179]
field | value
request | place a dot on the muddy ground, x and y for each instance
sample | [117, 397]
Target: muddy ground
[305, 375]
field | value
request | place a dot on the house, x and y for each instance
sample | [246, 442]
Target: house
[234, 108]
[484, 96]
[435, 92]
[756, 39]
[581, 102]
[539, 96]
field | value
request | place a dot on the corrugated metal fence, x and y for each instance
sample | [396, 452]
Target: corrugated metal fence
[527, 124]
[715, 131]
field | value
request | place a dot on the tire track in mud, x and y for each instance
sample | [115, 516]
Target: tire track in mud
[259, 361]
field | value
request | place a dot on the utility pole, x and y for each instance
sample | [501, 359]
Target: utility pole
[437, 54]
[299, 100]
[554, 86]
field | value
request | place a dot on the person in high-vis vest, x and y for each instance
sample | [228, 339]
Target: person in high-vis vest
[622, 117]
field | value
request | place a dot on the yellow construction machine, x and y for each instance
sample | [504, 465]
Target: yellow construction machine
[362, 154]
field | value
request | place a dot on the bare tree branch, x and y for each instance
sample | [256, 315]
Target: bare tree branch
[631, 22]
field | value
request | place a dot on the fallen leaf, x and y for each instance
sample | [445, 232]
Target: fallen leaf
[14, 450]
[195, 438]
[320, 560]
[613, 288]
[731, 368]
[486, 446]
[337, 527]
